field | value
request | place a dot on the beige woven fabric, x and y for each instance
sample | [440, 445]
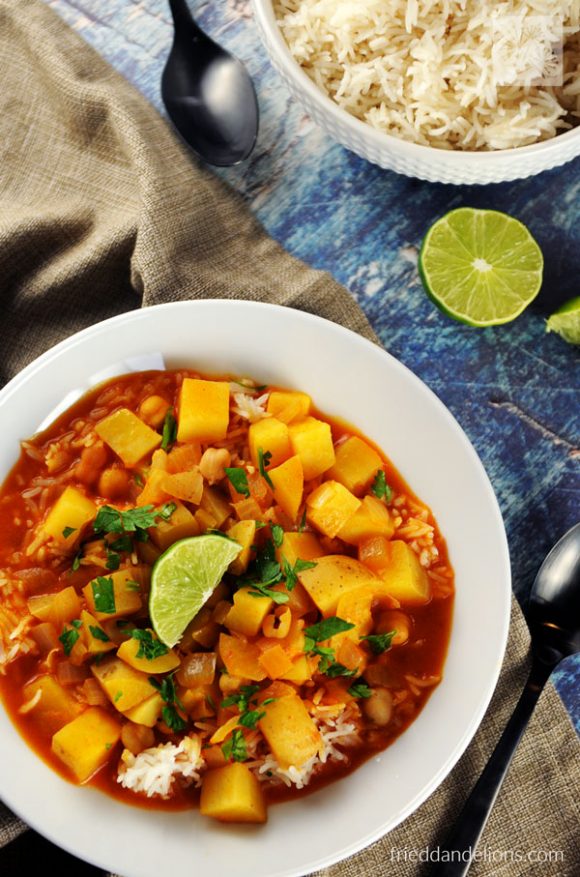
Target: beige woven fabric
[101, 210]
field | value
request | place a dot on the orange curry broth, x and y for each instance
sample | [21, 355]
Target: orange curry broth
[423, 655]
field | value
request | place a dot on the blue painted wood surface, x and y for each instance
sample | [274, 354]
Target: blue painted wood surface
[514, 389]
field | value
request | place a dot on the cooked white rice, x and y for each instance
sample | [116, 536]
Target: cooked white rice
[154, 771]
[444, 73]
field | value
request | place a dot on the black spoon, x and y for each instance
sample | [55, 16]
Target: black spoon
[208, 94]
[554, 620]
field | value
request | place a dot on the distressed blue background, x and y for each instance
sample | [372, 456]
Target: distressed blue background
[514, 389]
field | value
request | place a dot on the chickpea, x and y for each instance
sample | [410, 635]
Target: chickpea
[214, 463]
[113, 483]
[136, 738]
[379, 706]
[153, 410]
[91, 462]
[395, 620]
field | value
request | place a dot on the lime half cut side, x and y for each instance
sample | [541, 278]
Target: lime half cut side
[183, 578]
[566, 321]
[481, 267]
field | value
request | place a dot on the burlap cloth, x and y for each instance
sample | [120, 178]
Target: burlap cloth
[101, 211]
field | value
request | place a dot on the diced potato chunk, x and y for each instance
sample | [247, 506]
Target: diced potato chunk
[57, 608]
[335, 575]
[356, 464]
[241, 658]
[72, 510]
[124, 686]
[128, 650]
[55, 707]
[271, 436]
[180, 525]
[127, 585]
[275, 662]
[404, 578]
[204, 410]
[147, 712]
[371, 519]
[312, 441]
[290, 732]
[243, 533]
[330, 507]
[288, 405]
[299, 545]
[247, 613]
[232, 794]
[355, 607]
[288, 481]
[85, 744]
[128, 436]
[300, 671]
[95, 638]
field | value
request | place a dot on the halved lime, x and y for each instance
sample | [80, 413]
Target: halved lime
[480, 267]
[183, 578]
[566, 321]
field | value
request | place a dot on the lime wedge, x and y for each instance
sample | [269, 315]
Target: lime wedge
[480, 267]
[183, 578]
[566, 321]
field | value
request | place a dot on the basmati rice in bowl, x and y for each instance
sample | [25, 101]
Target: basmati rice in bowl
[446, 90]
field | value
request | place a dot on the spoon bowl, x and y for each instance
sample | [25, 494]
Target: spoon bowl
[208, 94]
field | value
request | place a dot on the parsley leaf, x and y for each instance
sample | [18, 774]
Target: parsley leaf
[250, 718]
[113, 560]
[277, 535]
[380, 488]
[241, 698]
[77, 560]
[169, 433]
[68, 638]
[302, 523]
[99, 633]
[173, 720]
[335, 669]
[171, 717]
[103, 594]
[379, 642]
[291, 572]
[123, 543]
[263, 462]
[267, 567]
[360, 689]
[111, 520]
[235, 748]
[324, 630]
[238, 479]
[167, 510]
[149, 646]
[68, 531]
[261, 590]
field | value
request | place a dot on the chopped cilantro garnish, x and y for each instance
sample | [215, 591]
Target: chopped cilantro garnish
[103, 594]
[118, 696]
[123, 543]
[291, 572]
[238, 479]
[68, 531]
[210, 702]
[380, 487]
[250, 718]
[335, 669]
[113, 560]
[261, 590]
[99, 633]
[149, 646]
[277, 535]
[263, 463]
[302, 523]
[130, 585]
[77, 560]
[241, 698]
[171, 717]
[138, 479]
[360, 689]
[260, 525]
[325, 629]
[267, 566]
[379, 642]
[235, 748]
[68, 638]
[108, 746]
[77, 623]
[167, 510]
[169, 433]
[173, 720]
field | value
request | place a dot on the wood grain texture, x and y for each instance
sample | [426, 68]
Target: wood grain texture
[514, 389]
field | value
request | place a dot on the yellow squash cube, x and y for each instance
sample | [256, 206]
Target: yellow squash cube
[356, 464]
[117, 594]
[232, 794]
[288, 405]
[204, 410]
[128, 436]
[330, 507]
[247, 613]
[303, 546]
[85, 744]
[95, 639]
[404, 578]
[72, 511]
[288, 481]
[243, 533]
[124, 686]
[55, 707]
[180, 525]
[311, 440]
[333, 576]
[128, 650]
[289, 730]
[271, 436]
[147, 712]
[371, 519]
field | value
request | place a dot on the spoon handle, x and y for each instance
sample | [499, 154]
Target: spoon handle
[462, 841]
[182, 17]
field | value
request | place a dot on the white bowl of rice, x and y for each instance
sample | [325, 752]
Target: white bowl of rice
[450, 91]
